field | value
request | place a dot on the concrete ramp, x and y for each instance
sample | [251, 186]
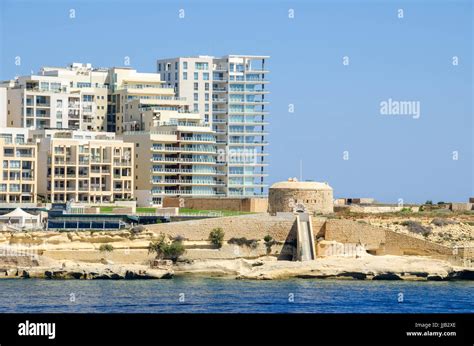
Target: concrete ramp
[306, 250]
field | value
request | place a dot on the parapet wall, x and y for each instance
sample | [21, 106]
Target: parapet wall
[255, 205]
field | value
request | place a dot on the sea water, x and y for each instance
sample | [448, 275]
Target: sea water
[206, 295]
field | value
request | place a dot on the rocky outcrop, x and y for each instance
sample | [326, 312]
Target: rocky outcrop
[365, 268]
[89, 272]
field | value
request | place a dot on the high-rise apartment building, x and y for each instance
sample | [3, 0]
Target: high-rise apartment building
[18, 158]
[83, 166]
[229, 93]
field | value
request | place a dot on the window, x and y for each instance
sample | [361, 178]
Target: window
[206, 107]
[185, 65]
[196, 76]
[44, 86]
[196, 97]
[87, 98]
[196, 107]
[176, 65]
[20, 139]
[201, 66]
[169, 76]
[206, 96]
[205, 76]
[185, 75]
[159, 67]
[206, 86]
[42, 100]
[195, 86]
[55, 86]
[175, 75]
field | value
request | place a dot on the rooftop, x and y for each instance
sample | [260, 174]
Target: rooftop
[301, 185]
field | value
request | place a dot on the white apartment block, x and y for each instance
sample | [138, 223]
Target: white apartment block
[127, 85]
[83, 166]
[229, 93]
[175, 154]
[18, 157]
[74, 97]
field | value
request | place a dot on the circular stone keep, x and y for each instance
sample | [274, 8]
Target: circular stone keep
[308, 196]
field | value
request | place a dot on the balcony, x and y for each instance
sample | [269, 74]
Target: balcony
[247, 133]
[174, 171]
[249, 123]
[219, 121]
[256, 70]
[198, 139]
[43, 104]
[182, 192]
[249, 92]
[187, 182]
[242, 143]
[245, 113]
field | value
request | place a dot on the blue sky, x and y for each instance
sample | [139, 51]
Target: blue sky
[337, 107]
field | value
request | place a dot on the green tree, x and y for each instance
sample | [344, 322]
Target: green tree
[166, 249]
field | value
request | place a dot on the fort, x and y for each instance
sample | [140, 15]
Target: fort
[297, 233]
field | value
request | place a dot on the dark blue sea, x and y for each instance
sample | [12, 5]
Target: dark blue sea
[204, 295]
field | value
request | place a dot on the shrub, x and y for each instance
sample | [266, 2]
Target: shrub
[106, 248]
[216, 237]
[251, 243]
[268, 238]
[442, 222]
[268, 243]
[158, 246]
[416, 227]
[174, 250]
[165, 249]
[406, 210]
[429, 202]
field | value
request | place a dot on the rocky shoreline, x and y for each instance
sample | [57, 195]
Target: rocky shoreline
[85, 271]
[408, 268]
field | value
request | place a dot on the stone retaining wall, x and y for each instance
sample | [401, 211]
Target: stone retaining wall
[348, 231]
[381, 241]
[249, 226]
